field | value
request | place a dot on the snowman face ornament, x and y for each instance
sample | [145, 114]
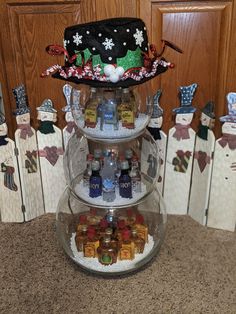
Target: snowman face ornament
[229, 128]
[23, 118]
[156, 122]
[184, 118]
[3, 129]
[47, 116]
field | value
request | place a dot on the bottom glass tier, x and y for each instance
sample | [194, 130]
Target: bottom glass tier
[112, 240]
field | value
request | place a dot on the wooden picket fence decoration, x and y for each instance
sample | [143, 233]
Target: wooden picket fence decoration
[204, 191]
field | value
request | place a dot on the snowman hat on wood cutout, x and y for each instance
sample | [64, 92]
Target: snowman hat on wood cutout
[108, 53]
[209, 109]
[231, 103]
[186, 96]
[157, 110]
[21, 100]
[46, 106]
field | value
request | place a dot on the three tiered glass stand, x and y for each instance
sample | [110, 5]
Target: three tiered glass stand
[111, 218]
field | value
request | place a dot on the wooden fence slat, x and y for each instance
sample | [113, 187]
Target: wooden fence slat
[10, 192]
[30, 175]
[201, 178]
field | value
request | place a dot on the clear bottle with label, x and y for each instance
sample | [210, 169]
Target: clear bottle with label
[108, 177]
[135, 175]
[126, 110]
[90, 245]
[81, 238]
[127, 247]
[95, 182]
[90, 115]
[139, 243]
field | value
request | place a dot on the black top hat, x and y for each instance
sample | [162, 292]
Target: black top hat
[108, 53]
[209, 109]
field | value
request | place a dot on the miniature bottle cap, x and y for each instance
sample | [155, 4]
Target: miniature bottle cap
[124, 165]
[129, 212]
[89, 157]
[103, 223]
[121, 224]
[139, 219]
[91, 229]
[95, 165]
[82, 219]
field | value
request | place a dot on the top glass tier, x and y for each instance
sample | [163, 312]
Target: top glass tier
[111, 114]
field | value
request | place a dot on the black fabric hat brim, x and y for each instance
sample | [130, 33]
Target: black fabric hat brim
[123, 84]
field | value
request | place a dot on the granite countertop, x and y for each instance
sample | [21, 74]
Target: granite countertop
[195, 272]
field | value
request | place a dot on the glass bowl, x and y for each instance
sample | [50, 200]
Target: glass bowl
[111, 241]
[140, 151]
[107, 114]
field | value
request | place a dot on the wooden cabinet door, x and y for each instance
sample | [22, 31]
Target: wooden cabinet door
[26, 29]
[202, 30]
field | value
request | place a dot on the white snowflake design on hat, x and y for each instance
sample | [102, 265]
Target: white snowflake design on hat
[108, 44]
[138, 37]
[77, 39]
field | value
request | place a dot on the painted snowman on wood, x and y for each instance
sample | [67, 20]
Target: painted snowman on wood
[181, 139]
[72, 99]
[51, 155]
[10, 190]
[202, 166]
[154, 127]
[26, 143]
[222, 205]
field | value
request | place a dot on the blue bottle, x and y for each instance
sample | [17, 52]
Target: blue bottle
[95, 182]
[125, 184]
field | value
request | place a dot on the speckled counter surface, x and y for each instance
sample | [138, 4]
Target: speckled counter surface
[195, 272]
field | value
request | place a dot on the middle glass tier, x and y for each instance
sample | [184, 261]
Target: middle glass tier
[111, 174]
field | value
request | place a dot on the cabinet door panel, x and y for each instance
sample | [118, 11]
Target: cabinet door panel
[202, 31]
[33, 26]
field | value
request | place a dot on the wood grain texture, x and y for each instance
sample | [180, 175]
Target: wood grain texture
[177, 184]
[10, 200]
[161, 144]
[32, 192]
[31, 27]
[201, 180]
[115, 8]
[222, 209]
[201, 29]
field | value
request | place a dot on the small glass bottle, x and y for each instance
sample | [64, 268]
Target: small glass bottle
[95, 182]
[90, 245]
[82, 221]
[130, 220]
[90, 115]
[103, 225]
[126, 110]
[142, 229]
[139, 243]
[81, 238]
[127, 247]
[88, 171]
[107, 254]
[128, 156]
[93, 218]
[109, 116]
[135, 175]
[108, 178]
[125, 186]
